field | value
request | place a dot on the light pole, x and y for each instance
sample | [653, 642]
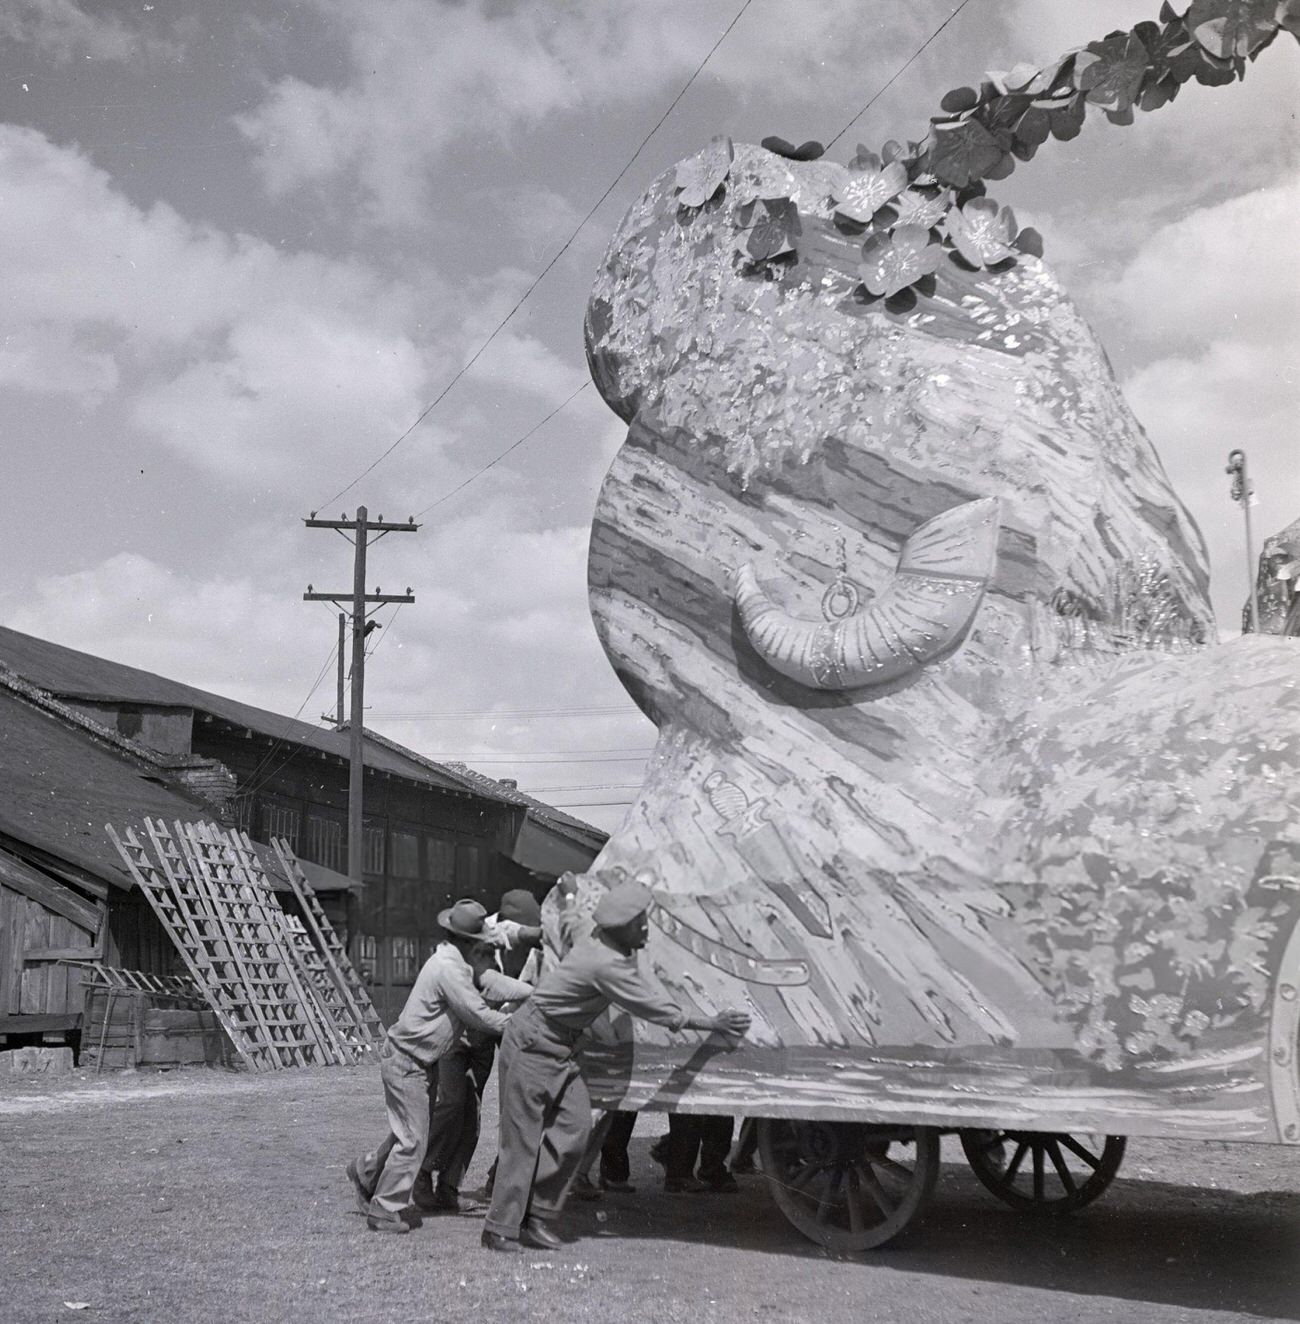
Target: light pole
[1242, 490]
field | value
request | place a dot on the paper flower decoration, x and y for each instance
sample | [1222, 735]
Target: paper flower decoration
[860, 193]
[699, 178]
[892, 262]
[981, 232]
[923, 207]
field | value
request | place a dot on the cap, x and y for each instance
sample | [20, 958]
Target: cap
[622, 904]
[520, 906]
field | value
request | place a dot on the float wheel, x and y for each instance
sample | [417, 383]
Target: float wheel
[849, 1186]
[1049, 1173]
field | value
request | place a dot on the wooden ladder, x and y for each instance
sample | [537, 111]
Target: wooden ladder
[202, 949]
[369, 1028]
[269, 985]
[351, 1045]
[320, 1003]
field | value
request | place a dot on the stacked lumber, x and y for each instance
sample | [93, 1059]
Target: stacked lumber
[283, 991]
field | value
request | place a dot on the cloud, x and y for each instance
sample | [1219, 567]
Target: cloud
[227, 634]
[1208, 304]
[426, 80]
[226, 349]
[62, 31]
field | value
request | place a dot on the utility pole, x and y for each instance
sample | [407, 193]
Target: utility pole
[1242, 491]
[361, 529]
[343, 640]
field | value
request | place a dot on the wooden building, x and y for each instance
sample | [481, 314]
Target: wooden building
[65, 896]
[433, 832]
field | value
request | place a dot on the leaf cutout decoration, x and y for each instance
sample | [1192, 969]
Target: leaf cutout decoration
[960, 100]
[963, 152]
[1030, 241]
[1034, 127]
[700, 177]
[862, 193]
[773, 234]
[1018, 79]
[1228, 28]
[923, 207]
[1067, 122]
[892, 262]
[981, 232]
[1115, 78]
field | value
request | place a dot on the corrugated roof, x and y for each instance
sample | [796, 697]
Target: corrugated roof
[59, 787]
[63, 779]
[555, 818]
[70, 674]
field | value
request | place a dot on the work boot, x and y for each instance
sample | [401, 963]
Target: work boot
[683, 1186]
[362, 1192]
[446, 1200]
[536, 1234]
[495, 1241]
[377, 1224]
[723, 1184]
[423, 1196]
[582, 1188]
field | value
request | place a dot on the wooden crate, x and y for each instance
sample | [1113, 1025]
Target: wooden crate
[147, 1029]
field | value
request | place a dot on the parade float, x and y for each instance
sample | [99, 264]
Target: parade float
[955, 790]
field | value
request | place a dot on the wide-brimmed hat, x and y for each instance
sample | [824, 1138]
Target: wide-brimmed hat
[521, 907]
[622, 904]
[465, 919]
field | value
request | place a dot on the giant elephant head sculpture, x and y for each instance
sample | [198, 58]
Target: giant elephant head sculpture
[953, 788]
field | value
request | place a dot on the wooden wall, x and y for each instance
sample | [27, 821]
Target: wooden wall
[43, 922]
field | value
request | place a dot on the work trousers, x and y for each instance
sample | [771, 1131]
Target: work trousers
[609, 1138]
[389, 1172]
[455, 1117]
[545, 1121]
[692, 1136]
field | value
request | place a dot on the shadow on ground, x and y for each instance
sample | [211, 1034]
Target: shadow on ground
[1143, 1241]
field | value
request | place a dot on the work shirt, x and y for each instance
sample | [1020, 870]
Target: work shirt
[443, 1003]
[591, 977]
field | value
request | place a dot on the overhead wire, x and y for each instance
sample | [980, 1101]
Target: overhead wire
[470, 713]
[262, 771]
[500, 326]
[916, 55]
[514, 445]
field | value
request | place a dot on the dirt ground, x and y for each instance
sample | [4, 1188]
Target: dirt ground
[216, 1196]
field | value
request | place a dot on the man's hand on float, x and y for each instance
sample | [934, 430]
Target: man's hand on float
[732, 1023]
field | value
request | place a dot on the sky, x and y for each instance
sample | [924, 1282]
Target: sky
[244, 246]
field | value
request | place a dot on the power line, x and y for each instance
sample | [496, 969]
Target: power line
[473, 713]
[255, 778]
[511, 762]
[916, 55]
[497, 756]
[514, 445]
[590, 804]
[546, 269]
[596, 786]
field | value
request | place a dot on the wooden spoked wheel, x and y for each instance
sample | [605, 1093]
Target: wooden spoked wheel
[1050, 1173]
[846, 1185]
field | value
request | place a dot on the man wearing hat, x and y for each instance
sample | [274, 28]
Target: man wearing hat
[545, 1108]
[516, 937]
[442, 1004]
